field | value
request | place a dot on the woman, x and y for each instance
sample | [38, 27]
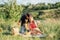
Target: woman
[33, 26]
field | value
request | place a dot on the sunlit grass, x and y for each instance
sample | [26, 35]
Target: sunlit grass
[51, 27]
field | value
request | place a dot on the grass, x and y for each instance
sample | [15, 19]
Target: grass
[51, 27]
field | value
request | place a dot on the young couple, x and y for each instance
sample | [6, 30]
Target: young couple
[28, 25]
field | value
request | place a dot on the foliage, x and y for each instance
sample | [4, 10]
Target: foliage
[11, 12]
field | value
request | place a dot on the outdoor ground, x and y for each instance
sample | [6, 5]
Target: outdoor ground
[51, 27]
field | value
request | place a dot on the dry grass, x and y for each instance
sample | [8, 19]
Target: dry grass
[51, 27]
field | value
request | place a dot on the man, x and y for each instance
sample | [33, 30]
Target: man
[24, 16]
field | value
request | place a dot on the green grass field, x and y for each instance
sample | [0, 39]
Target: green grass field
[11, 12]
[51, 27]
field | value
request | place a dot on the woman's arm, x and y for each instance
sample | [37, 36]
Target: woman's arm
[35, 23]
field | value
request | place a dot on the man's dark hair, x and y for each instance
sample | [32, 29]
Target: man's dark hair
[28, 14]
[23, 17]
